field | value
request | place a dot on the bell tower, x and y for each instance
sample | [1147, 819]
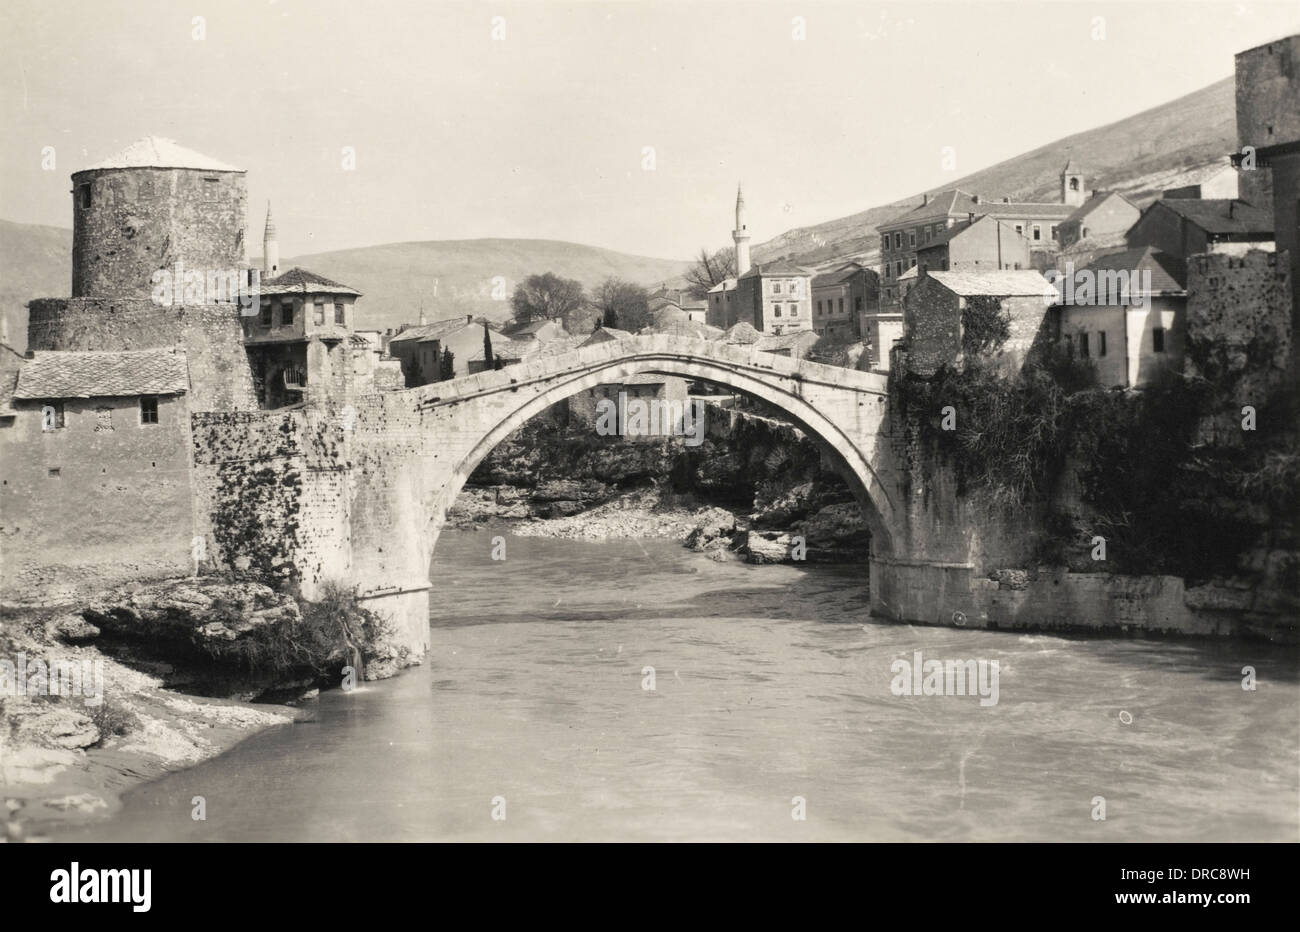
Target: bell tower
[1072, 191]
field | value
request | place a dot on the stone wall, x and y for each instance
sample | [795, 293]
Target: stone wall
[144, 219]
[210, 336]
[103, 500]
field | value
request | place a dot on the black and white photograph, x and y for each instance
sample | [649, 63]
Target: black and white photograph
[650, 422]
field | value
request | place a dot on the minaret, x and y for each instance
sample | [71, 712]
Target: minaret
[741, 235]
[270, 248]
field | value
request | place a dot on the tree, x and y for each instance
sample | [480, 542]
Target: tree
[547, 297]
[710, 269]
[446, 366]
[622, 304]
[487, 348]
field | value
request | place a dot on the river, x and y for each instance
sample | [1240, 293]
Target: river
[771, 698]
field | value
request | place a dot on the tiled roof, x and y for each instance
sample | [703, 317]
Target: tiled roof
[1096, 201]
[434, 331]
[939, 207]
[1221, 215]
[604, 334]
[995, 283]
[742, 332]
[957, 203]
[300, 281]
[565, 344]
[779, 267]
[506, 348]
[155, 152]
[102, 375]
[836, 276]
[1168, 274]
[727, 284]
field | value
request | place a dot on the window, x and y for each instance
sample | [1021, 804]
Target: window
[794, 286]
[1020, 228]
[1052, 231]
[776, 287]
[338, 314]
[819, 309]
[793, 309]
[911, 239]
[1158, 339]
[898, 267]
[265, 318]
[319, 315]
[52, 416]
[913, 264]
[148, 409]
[1101, 343]
[83, 195]
[1083, 345]
[1038, 232]
[1074, 184]
[857, 303]
[776, 310]
[898, 240]
[884, 246]
[841, 305]
[286, 313]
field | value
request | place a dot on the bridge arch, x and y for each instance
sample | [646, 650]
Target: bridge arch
[843, 410]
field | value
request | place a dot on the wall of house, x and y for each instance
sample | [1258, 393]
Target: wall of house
[1267, 79]
[932, 321]
[1113, 215]
[103, 500]
[1093, 320]
[210, 336]
[1144, 364]
[144, 219]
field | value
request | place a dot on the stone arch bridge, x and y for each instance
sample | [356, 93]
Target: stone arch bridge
[380, 476]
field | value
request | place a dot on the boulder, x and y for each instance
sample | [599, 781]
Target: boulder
[72, 628]
[59, 728]
[201, 609]
[767, 547]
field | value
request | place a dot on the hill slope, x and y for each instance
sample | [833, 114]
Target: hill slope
[450, 277]
[1137, 156]
[35, 262]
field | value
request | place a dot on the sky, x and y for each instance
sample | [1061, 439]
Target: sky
[625, 125]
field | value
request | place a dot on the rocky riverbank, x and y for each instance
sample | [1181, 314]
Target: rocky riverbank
[99, 697]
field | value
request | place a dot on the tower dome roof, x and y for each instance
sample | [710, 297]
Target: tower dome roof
[156, 152]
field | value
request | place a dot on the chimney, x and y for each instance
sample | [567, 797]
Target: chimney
[975, 199]
[469, 318]
[970, 217]
[925, 199]
[1006, 200]
[1231, 204]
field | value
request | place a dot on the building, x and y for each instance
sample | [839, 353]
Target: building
[1184, 227]
[795, 344]
[935, 315]
[542, 330]
[1268, 123]
[670, 305]
[96, 442]
[984, 244]
[842, 298]
[1038, 222]
[1213, 182]
[774, 297]
[421, 348]
[740, 235]
[721, 312]
[1105, 216]
[1130, 320]
[299, 344]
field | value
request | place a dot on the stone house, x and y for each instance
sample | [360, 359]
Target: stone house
[1188, 227]
[775, 297]
[1105, 215]
[721, 304]
[842, 298]
[420, 348]
[933, 315]
[1131, 320]
[95, 442]
[1213, 182]
[983, 244]
[299, 343]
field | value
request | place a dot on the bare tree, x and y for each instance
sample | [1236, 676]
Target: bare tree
[710, 269]
[546, 297]
[622, 304]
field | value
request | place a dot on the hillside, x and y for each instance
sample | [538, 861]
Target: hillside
[1137, 156]
[450, 277]
[35, 262]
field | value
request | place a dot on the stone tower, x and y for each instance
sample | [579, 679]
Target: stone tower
[1072, 192]
[270, 247]
[151, 206]
[741, 235]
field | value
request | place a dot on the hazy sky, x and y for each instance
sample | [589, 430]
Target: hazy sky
[542, 134]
